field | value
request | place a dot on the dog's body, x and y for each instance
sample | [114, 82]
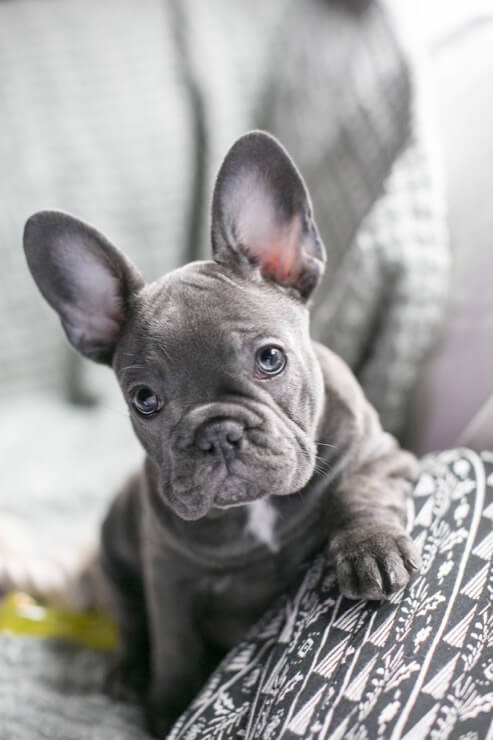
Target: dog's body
[261, 447]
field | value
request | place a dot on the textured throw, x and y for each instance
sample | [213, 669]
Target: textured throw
[52, 691]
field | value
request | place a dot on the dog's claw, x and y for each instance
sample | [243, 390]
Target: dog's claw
[411, 565]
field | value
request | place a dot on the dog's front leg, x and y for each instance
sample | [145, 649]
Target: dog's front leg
[179, 655]
[368, 544]
[120, 561]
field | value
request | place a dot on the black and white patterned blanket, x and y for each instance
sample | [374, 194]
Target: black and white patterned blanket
[419, 666]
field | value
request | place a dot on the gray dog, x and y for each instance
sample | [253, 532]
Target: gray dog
[261, 448]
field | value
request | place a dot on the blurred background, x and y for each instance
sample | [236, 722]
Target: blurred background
[120, 113]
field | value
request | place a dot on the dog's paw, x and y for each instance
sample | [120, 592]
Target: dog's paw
[373, 564]
[127, 680]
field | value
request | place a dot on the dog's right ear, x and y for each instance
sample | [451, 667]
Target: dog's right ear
[262, 219]
[87, 280]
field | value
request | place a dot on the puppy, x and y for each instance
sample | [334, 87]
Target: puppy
[260, 446]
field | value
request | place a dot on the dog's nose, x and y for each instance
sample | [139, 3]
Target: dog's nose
[220, 436]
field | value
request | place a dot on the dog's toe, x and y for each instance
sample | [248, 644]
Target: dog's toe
[375, 565]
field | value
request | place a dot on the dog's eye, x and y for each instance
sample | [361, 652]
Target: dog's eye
[270, 360]
[145, 400]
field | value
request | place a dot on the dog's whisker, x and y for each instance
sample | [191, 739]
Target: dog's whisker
[322, 467]
[321, 471]
[322, 463]
[132, 367]
[324, 473]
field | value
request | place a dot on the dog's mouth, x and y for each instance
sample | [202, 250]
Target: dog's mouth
[199, 486]
[225, 455]
[199, 501]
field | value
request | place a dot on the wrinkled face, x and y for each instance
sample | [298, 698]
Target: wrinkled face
[214, 359]
[223, 388]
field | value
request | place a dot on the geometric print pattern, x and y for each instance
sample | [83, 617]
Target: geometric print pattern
[417, 666]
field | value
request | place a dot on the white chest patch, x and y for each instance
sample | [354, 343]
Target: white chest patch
[261, 518]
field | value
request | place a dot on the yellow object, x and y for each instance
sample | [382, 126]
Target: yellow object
[20, 614]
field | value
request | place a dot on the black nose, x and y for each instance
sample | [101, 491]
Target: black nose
[220, 436]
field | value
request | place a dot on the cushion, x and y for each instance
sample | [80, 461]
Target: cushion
[419, 665]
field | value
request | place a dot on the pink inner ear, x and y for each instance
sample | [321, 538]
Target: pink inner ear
[258, 224]
[97, 310]
[278, 263]
[282, 258]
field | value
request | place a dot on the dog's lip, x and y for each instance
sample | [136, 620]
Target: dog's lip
[189, 503]
[232, 505]
[196, 503]
[182, 508]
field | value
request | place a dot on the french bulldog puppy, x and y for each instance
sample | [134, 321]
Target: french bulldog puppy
[260, 446]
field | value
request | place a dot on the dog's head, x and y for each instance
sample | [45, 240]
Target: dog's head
[214, 359]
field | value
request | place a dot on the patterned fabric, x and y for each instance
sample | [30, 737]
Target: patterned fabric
[122, 117]
[419, 666]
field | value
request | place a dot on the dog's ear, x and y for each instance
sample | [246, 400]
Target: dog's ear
[87, 280]
[262, 216]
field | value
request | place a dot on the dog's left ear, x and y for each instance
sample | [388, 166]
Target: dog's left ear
[262, 216]
[87, 280]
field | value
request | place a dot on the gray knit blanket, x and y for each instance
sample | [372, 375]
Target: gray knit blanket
[121, 115]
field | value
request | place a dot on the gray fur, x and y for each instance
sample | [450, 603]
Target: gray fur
[187, 572]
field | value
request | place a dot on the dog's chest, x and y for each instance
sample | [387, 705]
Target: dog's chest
[261, 520]
[235, 565]
[234, 599]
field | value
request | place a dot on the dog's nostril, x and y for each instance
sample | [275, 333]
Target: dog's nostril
[205, 444]
[220, 437]
[234, 438]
